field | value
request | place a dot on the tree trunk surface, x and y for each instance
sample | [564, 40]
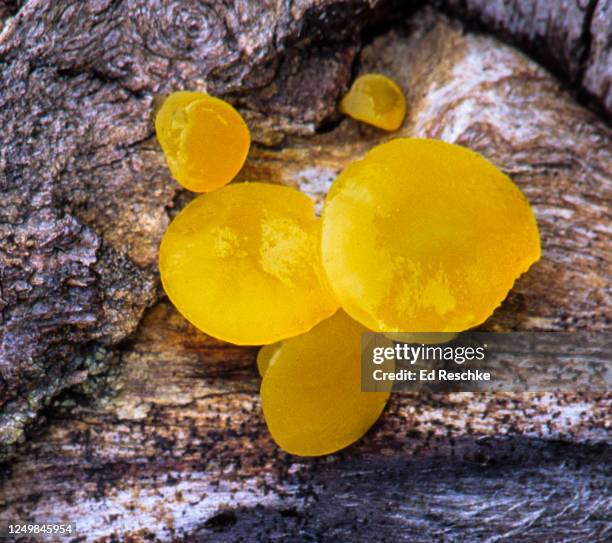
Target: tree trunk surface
[156, 430]
[572, 37]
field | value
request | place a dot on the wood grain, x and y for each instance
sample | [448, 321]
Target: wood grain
[571, 37]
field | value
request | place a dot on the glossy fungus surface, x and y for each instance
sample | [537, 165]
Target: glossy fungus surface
[425, 236]
[311, 392]
[204, 139]
[377, 100]
[242, 264]
[265, 355]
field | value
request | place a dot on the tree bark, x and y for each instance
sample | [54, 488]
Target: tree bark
[597, 77]
[8, 8]
[84, 187]
[572, 37]
[175, 447]
[178, 450]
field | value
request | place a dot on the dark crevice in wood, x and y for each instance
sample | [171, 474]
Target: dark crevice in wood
[586, 38]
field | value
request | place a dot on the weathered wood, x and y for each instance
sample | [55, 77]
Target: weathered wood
[177, 449]
[572, 37]
[597, 77]
[180, 449]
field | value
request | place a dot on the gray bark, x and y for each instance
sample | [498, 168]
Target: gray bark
[572, 37]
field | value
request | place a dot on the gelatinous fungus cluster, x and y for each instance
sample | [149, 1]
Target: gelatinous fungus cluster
[418, 236]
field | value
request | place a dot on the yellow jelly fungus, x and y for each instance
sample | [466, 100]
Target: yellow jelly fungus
[265, 356]
[377, 100]
[311, 392]
[425, 236]
[204, 139]
[242, 264]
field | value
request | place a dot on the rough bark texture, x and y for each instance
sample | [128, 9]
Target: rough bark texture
[84, 187]
[179, 451]
[598, 70]
[573, 37]
[176, 448]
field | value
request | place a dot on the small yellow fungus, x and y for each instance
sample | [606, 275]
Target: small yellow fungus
[311, 392]
[265, 356]
[425, 236]
[242, 264]
[204, 139]
[377, 100]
